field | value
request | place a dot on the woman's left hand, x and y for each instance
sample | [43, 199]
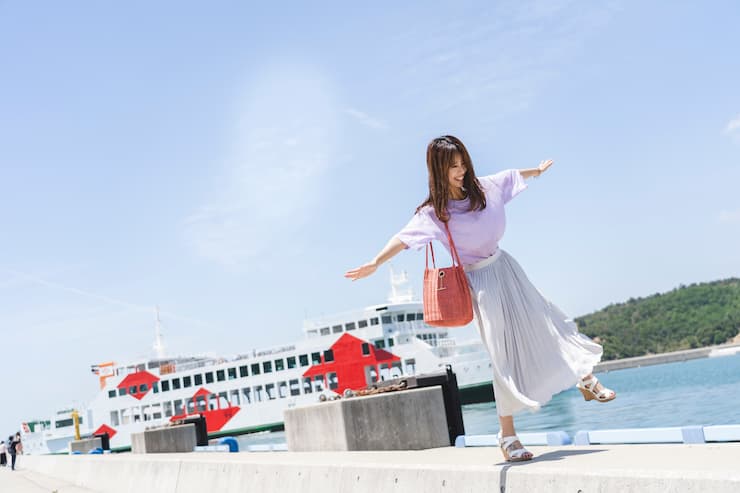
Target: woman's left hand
[543, 166]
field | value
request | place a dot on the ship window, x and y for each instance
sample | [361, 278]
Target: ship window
[362, 324]
[410, 366]
[223, 398]
[328, 355]
[390, 342]
[155, 387]
[307, 385]
[411, 317]
[386, 319]
[282, 390]
[255, 368]
[122, 391]
[198, 379]
[232, 373]
[279, 365]
[312, 333]
[212, 401]
[400, 317]
[303, 359]
[167, 406]
[234, 401]
[324, 331]
[316, 358]
[111, 394]
[267, 366]
[396, 370]
[371, 374]
[114, 418]
[187, 381]
[270, 391]
[156, 411]
[419, 316]
[291, 362]
[318, 383]
[200, 403]
[165, 385]
[349, 326]
[220, 375]
[365, 349]
[132, 389]
[380, 344]
[258, 393]
[179, 408]
[247, 393]
[333, 381]
[63, 423]
[243, 371]
[175, 383]
[136, 412]
[143, 387]
[336, 329]
[374, 321]
[294, 387]
[125, 417]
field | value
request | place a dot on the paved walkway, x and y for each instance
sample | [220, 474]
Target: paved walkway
[567, 469]
[24, 481]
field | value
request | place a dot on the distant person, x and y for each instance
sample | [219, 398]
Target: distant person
[536, 351]
[3, 454]
[15, 448]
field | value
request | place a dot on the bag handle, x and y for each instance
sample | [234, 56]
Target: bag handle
[453, 249]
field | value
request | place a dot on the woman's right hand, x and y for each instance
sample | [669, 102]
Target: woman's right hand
[362, 271]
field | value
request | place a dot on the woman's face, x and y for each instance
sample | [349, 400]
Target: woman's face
[456, 173]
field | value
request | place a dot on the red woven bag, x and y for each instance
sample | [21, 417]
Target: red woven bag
[447, 300]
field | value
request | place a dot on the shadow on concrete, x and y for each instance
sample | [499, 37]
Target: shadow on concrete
[549, 456]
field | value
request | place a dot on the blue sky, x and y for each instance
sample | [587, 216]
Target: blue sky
[229, 162]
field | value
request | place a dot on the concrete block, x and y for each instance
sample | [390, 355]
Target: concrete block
[164, 440]
[722, 433]
[405, 420]
[86, 445]
[693, 434]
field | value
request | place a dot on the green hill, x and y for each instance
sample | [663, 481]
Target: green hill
[684, 318]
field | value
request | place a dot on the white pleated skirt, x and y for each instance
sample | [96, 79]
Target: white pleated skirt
[536, 351]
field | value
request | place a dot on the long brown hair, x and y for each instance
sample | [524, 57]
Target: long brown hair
[440, 154]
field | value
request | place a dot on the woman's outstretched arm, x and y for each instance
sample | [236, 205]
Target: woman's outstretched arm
[530, 172]
[389, 251]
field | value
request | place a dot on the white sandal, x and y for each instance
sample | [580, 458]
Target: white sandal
[587, 388]
[512, 454]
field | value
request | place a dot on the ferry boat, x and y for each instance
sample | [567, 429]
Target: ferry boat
[248, 393]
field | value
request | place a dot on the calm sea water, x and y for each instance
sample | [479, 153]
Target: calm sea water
[698, 392]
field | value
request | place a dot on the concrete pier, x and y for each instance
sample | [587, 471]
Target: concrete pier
[603, 468]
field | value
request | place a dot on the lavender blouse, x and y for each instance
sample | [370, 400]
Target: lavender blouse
[476, 233]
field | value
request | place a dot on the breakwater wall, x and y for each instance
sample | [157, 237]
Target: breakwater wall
[657, 359]
[644, 468]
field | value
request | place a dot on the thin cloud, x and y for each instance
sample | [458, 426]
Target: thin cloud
[729, 217]
[733, 127]
[128, 306]
[283, 148]
[366, 119]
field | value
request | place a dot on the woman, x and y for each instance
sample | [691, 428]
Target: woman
[535, 350]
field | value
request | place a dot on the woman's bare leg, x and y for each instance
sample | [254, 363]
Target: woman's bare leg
[507, 430]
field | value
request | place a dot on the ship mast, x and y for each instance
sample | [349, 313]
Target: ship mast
[158, 345]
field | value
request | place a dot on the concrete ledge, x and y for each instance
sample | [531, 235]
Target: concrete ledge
[643, 468]
[405, 420]
[86, 445]
[171, 439]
